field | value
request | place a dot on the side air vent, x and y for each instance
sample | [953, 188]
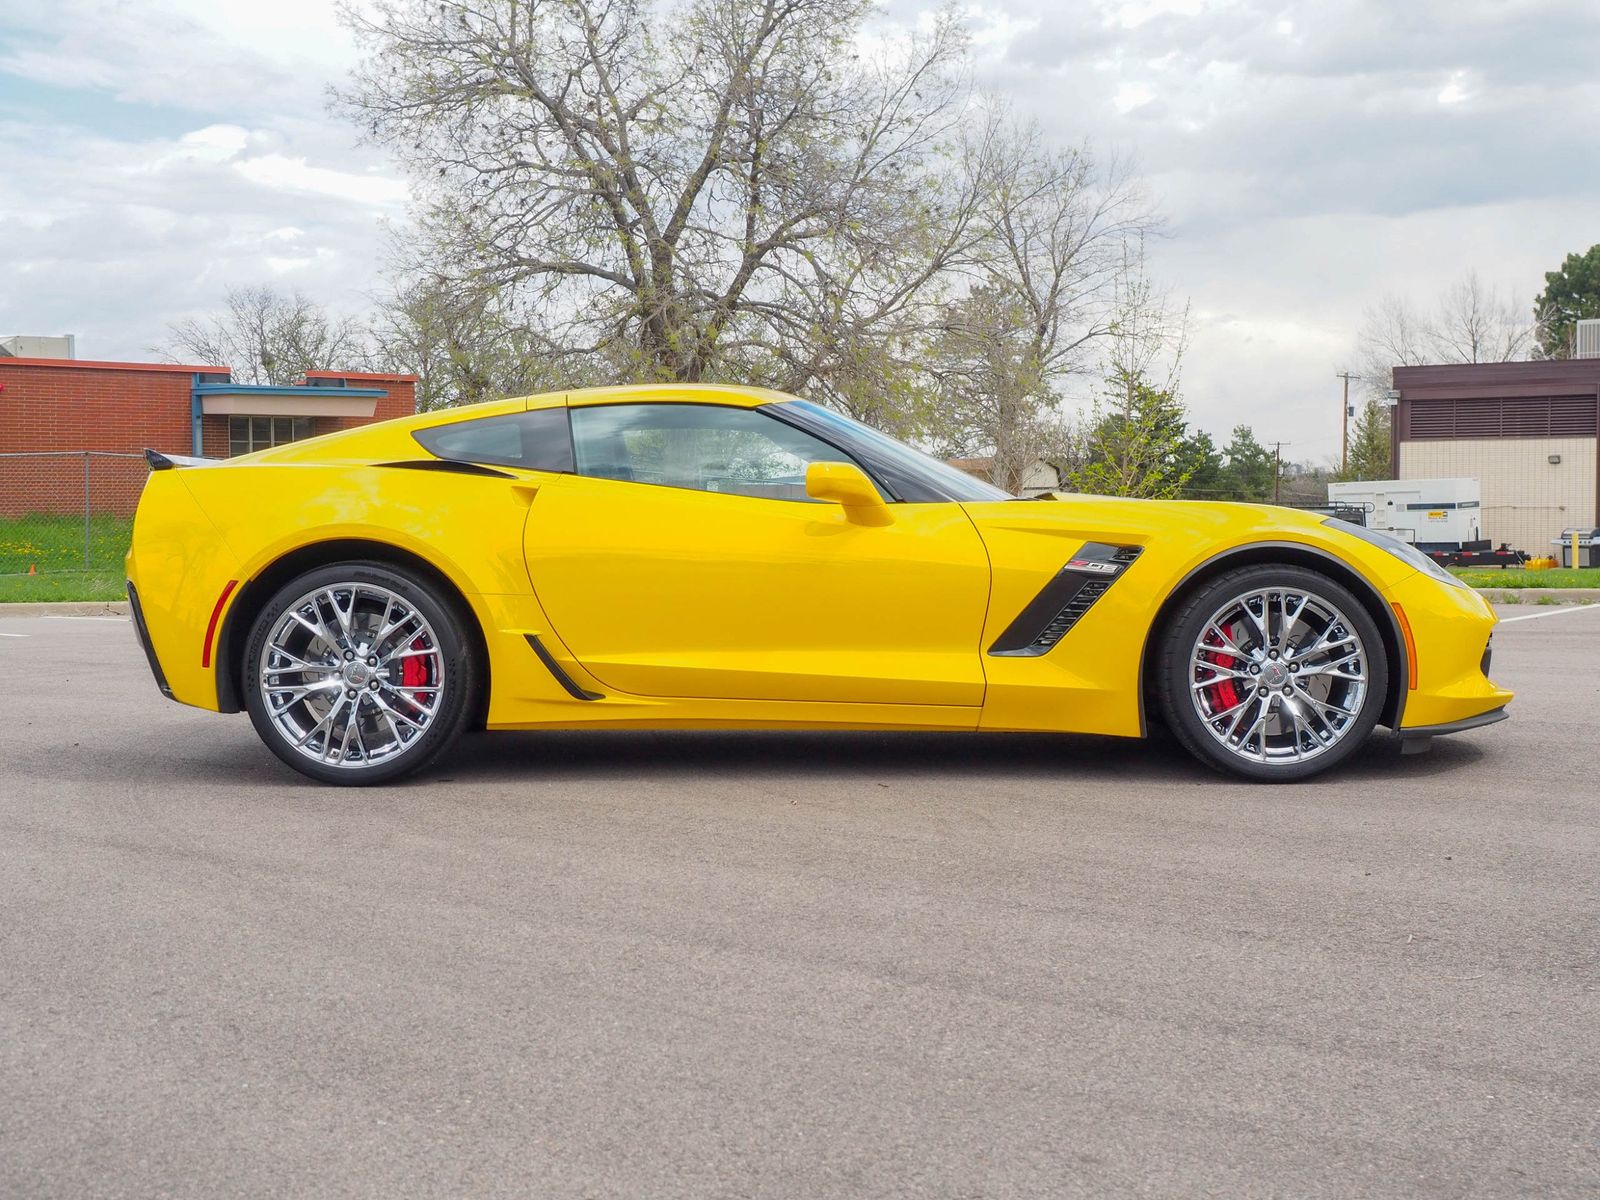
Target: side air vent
[1069, 615]
[1063, 601]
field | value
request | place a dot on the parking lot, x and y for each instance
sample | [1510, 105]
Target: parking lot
[805, 965]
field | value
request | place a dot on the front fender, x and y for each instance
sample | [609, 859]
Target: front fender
[1092, 681]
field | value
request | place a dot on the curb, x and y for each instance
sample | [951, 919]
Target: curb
[1514, 595]
[68, 608]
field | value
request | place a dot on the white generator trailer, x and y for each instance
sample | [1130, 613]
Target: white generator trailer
[1431, 514]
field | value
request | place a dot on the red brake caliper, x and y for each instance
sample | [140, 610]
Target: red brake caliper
[414, 671]
[1223, 694]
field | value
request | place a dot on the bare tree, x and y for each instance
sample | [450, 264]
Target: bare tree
[1473, 323]
[992, 396]
[1147, 334]
[716, 187]
[1470, 323]
[1392, 335]
[1055, 235]
[465, 346]
[269, 337]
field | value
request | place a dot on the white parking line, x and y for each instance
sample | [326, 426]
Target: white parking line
[20, 635]
[118, 620]
[1554, 612]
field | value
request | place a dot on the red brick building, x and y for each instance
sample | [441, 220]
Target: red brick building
[53, 410]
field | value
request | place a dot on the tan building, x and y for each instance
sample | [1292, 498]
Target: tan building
[1040, 477]
[1527, 432]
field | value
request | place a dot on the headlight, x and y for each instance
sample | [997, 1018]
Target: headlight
[1404, 551]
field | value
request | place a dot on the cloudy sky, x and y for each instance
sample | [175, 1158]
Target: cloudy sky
[1308, 158]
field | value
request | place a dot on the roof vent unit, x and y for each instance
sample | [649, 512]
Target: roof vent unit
[65, 346]
[1586, 339]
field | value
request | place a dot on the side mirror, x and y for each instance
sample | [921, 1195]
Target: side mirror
[847, 485]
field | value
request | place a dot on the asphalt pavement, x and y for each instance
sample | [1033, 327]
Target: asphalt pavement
[807, 965]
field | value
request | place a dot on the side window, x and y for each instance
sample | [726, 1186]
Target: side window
[538, 440]
[706, 447]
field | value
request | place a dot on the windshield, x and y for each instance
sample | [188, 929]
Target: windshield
[910, 474]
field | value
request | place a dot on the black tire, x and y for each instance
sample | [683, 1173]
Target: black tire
[1184, 683]
[449, 668]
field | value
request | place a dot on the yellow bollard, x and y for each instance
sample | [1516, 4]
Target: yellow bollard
[1575, 559]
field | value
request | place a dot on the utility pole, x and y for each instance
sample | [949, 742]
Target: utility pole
[1344, 421]
[1277, 468]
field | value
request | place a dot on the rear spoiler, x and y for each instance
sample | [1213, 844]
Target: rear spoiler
[166, 462]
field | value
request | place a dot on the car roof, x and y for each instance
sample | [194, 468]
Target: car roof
[662, 393]
[390, 439]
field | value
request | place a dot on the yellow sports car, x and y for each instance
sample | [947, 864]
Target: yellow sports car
[714, 557]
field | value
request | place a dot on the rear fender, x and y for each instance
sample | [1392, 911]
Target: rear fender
[464, 530]
[182, 568]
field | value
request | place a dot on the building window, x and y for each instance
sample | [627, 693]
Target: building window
[246, 434]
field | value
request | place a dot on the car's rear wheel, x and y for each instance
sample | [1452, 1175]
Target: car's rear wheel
[1273, 673]
[358, 673]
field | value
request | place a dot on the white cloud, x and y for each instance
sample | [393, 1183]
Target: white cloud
[200, 55]
[297, 175]
[1130, 96]
[249, 179]
[1456, 90]
[124, 238]
[214, 143]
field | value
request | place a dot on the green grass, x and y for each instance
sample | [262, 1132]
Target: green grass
[65, 585]
[1515, 577]
[52, 546]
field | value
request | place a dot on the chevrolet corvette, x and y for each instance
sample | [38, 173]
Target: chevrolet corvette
[695, 556]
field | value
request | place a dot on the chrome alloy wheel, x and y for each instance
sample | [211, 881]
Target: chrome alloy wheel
[352, 675]
[1278, 675]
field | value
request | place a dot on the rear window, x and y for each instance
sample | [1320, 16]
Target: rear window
[538, 441]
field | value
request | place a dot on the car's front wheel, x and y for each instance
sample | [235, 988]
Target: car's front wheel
[1273, 673]
[358, 673]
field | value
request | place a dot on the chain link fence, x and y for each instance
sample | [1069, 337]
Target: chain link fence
[67, 513]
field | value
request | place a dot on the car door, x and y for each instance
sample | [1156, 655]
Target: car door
[684, 559]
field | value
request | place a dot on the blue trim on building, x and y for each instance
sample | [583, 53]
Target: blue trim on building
[196, 428]
[261, 389]
[201, 388]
